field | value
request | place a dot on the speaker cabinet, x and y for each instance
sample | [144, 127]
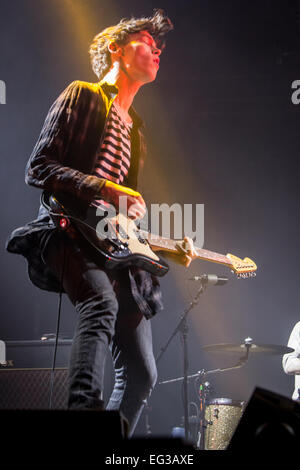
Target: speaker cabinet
[72, 432]
[30, 389]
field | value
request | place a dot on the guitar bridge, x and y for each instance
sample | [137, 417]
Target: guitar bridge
[140, 238]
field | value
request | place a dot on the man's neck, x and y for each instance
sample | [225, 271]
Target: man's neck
[127, 88]
[126, 94]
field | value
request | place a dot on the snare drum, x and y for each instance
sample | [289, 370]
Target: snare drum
[222, 416]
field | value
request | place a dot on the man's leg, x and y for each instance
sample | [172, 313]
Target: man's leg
[91, 292]
[134, 363]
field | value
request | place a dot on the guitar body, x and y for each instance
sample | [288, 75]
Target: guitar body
[117, 239]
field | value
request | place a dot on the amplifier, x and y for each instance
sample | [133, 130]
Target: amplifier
[30, 388]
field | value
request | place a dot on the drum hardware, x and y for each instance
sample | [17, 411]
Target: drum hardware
[182, 328]
[201, 373]
[267, 349]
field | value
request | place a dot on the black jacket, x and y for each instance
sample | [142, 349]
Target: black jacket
[62, 162]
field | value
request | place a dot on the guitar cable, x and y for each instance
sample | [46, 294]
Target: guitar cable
[57, 331]
[48, 208]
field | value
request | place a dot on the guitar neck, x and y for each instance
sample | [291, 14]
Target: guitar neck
[166, 244]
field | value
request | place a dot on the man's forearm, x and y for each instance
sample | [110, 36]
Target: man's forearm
[51, 176]
[291, 365]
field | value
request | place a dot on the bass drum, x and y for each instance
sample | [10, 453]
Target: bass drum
[222, 416]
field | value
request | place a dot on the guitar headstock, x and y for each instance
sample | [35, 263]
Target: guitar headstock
[243, 268]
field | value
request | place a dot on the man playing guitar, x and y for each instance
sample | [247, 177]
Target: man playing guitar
[89, 152]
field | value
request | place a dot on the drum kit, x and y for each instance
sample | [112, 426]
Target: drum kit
[218, 418]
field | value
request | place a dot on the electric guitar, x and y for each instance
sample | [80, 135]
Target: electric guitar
[121, 243]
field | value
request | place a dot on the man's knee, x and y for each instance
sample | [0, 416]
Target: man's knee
[146, 381]
[98, 314]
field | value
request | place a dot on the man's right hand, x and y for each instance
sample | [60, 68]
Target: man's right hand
[136, 207]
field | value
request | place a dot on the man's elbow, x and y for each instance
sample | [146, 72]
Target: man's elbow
[291, 366]
[29, 180]
[287, 370]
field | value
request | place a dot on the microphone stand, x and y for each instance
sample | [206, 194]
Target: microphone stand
[182, 327]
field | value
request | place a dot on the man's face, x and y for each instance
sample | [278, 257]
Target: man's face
[140, 57]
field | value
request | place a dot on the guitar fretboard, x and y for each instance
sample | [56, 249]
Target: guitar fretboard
[170, 245]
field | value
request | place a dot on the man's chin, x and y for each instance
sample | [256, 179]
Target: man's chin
[150, 77]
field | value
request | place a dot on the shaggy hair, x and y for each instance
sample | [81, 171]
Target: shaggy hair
[157, 25]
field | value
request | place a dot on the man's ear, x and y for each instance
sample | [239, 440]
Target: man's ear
[114, 48]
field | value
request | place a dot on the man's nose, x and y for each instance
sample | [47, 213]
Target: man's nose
[156, 51]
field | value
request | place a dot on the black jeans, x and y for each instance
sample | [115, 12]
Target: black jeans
[108, 318]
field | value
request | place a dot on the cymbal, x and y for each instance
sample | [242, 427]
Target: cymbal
[230, 348]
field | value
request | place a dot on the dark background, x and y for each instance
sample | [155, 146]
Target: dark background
[222, 131]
